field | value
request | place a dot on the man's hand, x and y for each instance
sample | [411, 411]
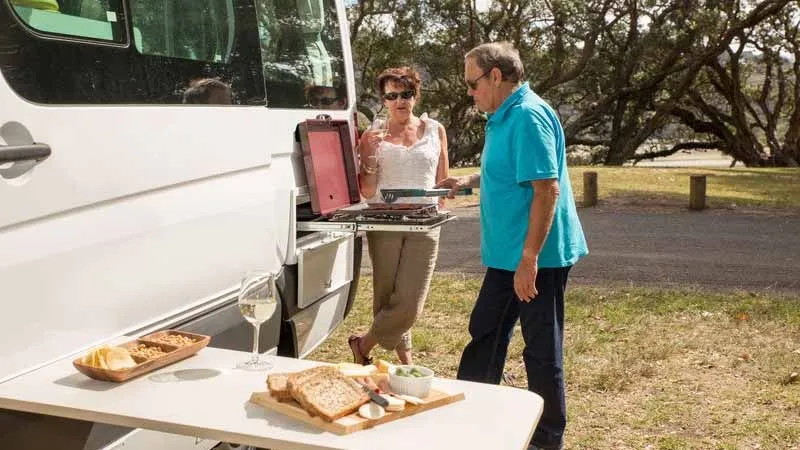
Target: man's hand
[455, 184]
[525, 278]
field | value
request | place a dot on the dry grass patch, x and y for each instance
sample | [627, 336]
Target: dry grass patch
[646, 368]
[644, 187]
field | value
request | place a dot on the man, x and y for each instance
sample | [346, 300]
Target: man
[325, 97]
[207, 91]
[530, 234]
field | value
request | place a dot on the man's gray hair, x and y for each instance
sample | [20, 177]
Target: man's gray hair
[502, 55]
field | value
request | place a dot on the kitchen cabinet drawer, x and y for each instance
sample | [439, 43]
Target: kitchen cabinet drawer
[324, 264]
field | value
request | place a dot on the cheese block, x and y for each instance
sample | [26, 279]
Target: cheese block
[411, 399]
[356, 370]
[395, 404]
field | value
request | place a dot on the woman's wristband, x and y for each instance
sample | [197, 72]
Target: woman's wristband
[369, 169]
[366, 170]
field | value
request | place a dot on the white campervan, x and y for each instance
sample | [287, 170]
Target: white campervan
[148, 157]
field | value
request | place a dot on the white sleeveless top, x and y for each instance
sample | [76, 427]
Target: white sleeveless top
[401, 167]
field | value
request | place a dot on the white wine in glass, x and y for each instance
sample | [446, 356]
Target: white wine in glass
[380, 124]
[258, 300]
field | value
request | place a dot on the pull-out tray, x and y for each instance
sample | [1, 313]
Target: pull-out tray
[401, 217]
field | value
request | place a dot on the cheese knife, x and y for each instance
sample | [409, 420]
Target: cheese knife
[373, 396]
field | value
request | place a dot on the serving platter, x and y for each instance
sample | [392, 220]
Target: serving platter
[353, 422]
[165, 347]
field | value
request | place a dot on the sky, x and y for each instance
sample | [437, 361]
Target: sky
[482, 5]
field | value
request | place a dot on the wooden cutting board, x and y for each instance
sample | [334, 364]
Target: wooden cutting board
[353, 422]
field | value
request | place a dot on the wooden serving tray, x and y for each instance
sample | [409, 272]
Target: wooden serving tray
[353, 422]
[173, 353]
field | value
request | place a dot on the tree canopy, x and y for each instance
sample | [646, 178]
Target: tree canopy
[631, 79]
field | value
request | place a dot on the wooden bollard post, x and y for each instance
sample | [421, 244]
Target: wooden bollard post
[589, 188]
[697, 192]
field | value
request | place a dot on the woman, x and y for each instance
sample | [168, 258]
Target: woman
[411, 154]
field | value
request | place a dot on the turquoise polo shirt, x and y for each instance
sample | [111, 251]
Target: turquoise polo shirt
[524, 143]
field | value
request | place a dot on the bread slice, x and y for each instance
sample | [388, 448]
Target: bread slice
[332, 396]
[278, 387]
[297, 379]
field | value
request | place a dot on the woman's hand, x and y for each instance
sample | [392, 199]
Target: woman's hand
[373, 140]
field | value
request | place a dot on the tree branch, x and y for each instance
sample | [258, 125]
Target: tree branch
[676, 148]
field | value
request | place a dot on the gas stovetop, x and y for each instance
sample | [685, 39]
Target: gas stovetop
[412, 213]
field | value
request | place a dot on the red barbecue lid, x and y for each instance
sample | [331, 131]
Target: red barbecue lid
[330, 164]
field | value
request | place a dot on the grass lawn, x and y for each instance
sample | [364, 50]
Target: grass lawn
[669, 187]
[645, 368]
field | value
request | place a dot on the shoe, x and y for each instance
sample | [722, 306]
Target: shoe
[358, 357]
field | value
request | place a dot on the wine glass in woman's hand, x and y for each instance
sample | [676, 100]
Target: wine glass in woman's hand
[380, 125]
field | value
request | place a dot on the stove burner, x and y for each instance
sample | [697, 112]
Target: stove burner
[411, 213]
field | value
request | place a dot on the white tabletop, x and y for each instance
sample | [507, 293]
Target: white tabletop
[205, 396]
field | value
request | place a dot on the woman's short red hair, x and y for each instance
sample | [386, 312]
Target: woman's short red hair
[404, 76]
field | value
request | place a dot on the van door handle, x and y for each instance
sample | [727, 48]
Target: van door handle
[18, 153]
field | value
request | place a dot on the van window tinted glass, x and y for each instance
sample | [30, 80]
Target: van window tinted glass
[200, 30]
[302, 51]
[101, 20]
[198, 52]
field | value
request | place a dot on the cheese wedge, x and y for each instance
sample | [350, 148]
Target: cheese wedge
[383, 366]
[357, 370]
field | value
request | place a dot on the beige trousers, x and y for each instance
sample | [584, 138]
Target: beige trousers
[402, 265]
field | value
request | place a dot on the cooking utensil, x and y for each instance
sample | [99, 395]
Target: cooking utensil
[391, 195]
[373, 396]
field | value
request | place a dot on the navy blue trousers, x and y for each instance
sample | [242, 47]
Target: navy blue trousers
[491, 326]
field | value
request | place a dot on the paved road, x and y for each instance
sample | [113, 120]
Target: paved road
[709, 250]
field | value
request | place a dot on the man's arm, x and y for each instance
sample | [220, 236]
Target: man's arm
[443, 167]
[540, 219]
[455, 184]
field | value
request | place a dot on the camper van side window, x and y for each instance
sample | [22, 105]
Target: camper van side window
[302, 51]
[199, 30]
[193, 52]
[101, 20]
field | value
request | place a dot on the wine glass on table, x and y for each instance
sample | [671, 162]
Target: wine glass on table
[258, 300]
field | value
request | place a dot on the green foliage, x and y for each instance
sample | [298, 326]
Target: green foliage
[614, 69]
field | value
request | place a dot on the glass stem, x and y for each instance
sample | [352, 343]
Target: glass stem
[256, 328]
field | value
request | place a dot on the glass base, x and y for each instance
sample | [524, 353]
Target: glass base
[250, 364]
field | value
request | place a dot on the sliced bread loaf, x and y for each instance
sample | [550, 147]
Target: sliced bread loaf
[331, 395]
[277, 383]
[297, 379]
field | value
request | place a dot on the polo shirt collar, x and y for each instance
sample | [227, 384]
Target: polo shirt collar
[513, 99]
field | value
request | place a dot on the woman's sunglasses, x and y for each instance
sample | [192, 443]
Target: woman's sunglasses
[405, 95]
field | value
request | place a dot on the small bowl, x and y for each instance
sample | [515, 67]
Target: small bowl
[417, 386]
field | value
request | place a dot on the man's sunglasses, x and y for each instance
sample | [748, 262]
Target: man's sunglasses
[327, 101]
[473, 84]
[405, 95]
